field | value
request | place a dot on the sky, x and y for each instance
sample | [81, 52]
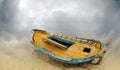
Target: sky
[98, 19]
[62, 16]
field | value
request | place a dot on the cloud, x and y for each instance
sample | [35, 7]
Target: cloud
[8, 11]
[70, 16]
[97, 17]
[110, 22]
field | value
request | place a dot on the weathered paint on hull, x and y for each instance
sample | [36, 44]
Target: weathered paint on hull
[65, 60]
[45, 43]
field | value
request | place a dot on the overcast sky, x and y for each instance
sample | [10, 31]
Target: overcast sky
[19, 17]
[97, 19]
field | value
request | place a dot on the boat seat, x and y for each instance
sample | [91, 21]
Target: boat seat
[64, 42]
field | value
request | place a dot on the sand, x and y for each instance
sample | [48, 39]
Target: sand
[20, 55]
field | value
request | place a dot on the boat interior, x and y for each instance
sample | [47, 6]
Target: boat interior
[63, 46]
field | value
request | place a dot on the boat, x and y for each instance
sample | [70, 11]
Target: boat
[71, 50]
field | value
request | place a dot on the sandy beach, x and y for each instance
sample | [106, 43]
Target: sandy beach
[94, 19]
[20, 55]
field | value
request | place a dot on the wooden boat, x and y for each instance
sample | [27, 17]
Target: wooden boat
[68, 49]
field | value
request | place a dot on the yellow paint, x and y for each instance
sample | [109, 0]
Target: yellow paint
[74, 51]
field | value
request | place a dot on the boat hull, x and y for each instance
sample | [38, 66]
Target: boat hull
[68, 50]
[66, 60]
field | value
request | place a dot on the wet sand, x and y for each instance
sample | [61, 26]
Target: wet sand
[20, 55]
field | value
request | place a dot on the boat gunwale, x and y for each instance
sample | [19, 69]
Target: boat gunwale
[71, 60]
